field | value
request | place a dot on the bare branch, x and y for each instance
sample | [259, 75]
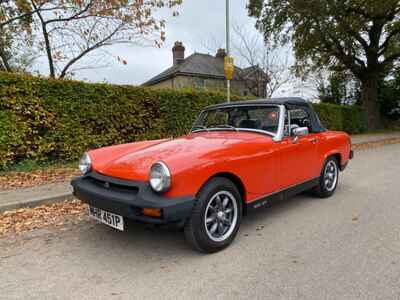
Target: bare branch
[87, 50]
[75, 16]
[67, 31]
[27, 14]
[266, 67]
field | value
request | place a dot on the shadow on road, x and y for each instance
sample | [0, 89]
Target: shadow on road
[147, 240]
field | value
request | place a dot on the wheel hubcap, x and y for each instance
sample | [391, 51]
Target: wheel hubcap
[221, 216]
[330, 176]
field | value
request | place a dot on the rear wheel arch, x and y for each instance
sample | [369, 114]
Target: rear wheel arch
[328, 178]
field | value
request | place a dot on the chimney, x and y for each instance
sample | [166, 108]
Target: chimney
[221, 53]
[178, 53]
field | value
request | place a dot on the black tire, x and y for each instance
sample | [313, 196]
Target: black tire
[325, 189]
[197, 233]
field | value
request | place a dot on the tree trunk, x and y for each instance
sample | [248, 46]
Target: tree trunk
[369, 98]
[45, 34]
[4, 61]
[48, 51]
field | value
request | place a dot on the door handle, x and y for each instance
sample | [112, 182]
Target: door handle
[313, 140]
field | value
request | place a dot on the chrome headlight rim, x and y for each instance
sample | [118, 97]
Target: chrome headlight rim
[160, 184]
[85, 163]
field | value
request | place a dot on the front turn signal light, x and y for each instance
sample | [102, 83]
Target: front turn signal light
[152, 212]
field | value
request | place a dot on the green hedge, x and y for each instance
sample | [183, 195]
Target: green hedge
[349, 118]
[45, 119]
[53, 119]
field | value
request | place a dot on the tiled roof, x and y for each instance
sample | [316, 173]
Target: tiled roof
[197, 64]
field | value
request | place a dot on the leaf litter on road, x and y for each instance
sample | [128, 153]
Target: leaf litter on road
[26, 219]
[376, 144]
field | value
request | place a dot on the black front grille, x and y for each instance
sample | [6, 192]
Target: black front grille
[119, 187]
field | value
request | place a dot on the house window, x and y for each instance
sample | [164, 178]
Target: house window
[199, 83]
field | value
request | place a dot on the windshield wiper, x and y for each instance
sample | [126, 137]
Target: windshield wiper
[226, 126]
[199, 127]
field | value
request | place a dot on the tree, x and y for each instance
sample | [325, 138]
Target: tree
[4, 53]
[15, 26]
[267, 64]
[73, 31]
[340, 88]
[264, 67]
[360, 35]
[12, 12]
[16, 52]
[389, 95]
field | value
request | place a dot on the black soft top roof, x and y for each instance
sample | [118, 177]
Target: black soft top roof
[289, 102]
[272, 101]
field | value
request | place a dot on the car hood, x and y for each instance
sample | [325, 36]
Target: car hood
[133, 161]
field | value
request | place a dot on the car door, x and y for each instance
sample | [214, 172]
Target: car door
[298, 162]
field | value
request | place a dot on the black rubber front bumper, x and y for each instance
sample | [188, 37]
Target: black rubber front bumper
[128, 198]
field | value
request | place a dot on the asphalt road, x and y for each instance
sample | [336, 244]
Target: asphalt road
[344, 247]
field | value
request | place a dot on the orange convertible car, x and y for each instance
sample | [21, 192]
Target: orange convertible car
[238, 156]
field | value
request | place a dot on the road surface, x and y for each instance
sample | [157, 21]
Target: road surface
[344, 247]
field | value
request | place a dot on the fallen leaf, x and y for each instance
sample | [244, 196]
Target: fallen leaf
[26, 219]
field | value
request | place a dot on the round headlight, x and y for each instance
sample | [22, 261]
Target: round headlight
[160, 177]
[85, 163]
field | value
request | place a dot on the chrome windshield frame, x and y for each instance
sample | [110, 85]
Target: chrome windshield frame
[281, 127]
[278, 136]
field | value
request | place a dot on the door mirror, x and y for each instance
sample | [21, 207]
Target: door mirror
[300, 131]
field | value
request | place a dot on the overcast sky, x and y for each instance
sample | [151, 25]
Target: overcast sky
[201, 28]
[199, 21]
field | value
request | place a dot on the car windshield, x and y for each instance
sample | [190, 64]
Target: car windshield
[265, 118]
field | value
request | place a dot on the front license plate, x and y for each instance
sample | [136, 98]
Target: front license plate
[110, 219]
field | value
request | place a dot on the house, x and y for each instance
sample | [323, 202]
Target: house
[205, 71]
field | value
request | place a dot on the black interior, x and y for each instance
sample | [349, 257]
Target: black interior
[250, 123]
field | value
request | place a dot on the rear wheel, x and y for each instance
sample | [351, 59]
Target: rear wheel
[216, 217]
[328, 179]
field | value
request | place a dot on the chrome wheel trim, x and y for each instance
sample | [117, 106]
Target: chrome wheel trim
[330, 176]
[221, 216]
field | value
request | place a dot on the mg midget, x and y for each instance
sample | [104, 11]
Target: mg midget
[237, 157]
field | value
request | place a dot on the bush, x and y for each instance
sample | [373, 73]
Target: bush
[45, 119]
[349, 118]
[389, 97]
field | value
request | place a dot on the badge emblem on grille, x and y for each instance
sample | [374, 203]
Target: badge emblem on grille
[107, 185]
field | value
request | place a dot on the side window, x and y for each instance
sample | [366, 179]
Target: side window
[299, 117]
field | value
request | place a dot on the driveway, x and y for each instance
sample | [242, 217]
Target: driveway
[344, 247]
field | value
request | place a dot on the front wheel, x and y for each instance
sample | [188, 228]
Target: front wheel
[216, 217]
[328, 179]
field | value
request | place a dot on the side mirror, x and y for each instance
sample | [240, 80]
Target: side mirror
[299, 131]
